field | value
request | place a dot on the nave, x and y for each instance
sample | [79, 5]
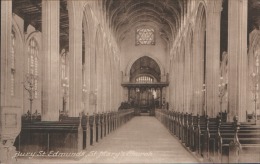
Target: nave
[142, 140]
[74, 71]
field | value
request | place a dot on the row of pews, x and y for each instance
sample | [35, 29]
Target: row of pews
[213, 140]
[69, 134]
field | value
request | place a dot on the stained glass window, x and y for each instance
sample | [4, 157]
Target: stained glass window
[145, 36]
[12, 63]
[33, 51]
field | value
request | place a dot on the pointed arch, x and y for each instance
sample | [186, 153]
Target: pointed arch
[131, 62]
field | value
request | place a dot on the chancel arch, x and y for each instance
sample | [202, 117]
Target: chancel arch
[134, 59]
[145, 87]
[145, 65]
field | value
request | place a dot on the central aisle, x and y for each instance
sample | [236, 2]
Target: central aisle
[142, 140]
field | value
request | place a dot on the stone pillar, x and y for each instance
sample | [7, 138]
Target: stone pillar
[6, 30]
[174, 82]
[106, 82]
[10, 108]
[119, 88]
[177, 67]
[110, 89]
[51, 58]
[213, 56]
[91, 70]
[237, 58]
[112, 85]
[93, 85]
[198, 61]
[99, 66]
[182, 75]
[187, 75]
[87, 63]
[75, 58]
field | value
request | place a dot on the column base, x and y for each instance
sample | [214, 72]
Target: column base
[7, 151]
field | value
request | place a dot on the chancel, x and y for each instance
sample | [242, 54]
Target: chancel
[105, 81]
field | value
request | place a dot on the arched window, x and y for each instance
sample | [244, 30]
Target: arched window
[12, 54]
[33, 52]
[144, 79]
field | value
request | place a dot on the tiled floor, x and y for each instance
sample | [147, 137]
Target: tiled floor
[142, 140]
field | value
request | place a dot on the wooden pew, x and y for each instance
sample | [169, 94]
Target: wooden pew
[70, 134]
[65, 136]
[243, 146]
[213, 139]
[219, 139]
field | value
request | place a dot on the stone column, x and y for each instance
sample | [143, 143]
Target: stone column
[174, 82]
[51, 58]
[10, 108]
[196, 75]
[237, 58]
[87, 65]
[104, 82]
[99, 66]
[178, 77]
[182, 76]
[92, 70]
[213, 56]
[187, 75]
[119, 88]
[93, 81]
[6, 29]
[75, 58]
[113, 87]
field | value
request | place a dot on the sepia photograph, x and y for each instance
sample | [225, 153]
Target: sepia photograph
[129, 81]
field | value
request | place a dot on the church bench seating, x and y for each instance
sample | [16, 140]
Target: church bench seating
[213, 139]
[248, 136]
[70, 134]
[51, 136]
[217, 133]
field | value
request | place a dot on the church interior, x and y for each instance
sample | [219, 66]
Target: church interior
[74, 72]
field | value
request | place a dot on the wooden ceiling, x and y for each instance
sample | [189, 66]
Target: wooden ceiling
[253, 15]
[125, 14]
[31, 12]
[122, 15]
